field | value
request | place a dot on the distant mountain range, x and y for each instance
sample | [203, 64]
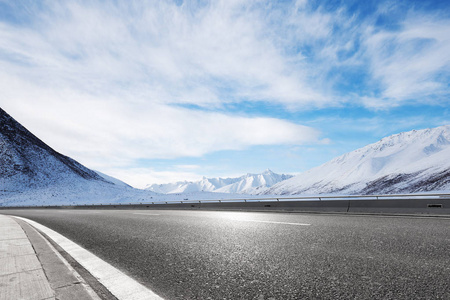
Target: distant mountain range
[247, 184]
[32, 173]
[409, 162]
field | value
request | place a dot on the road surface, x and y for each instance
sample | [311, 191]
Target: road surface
[240, 255]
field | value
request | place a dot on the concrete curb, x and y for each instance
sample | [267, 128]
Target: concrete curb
[21, 273]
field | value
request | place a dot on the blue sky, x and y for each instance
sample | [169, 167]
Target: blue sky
[160, 91]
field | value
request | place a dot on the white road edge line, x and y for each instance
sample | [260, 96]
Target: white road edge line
[146, 214]
[119, 284]
[274, 222]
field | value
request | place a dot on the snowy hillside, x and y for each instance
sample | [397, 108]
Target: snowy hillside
[414, 161]
[27, 162]
[33, 173]
[247, 184]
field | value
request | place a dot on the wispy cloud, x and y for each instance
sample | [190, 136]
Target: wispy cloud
[208, 54]
[203, 55]
[108, 75]
[412, 64]
[105, 132]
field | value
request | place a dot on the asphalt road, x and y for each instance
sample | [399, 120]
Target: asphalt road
[238, 255]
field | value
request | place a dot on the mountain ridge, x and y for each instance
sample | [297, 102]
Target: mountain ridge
[33, 173]
[245, 184]
[28, 160]
[414, 161]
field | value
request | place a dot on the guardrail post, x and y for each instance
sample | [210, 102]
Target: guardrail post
[220, 201]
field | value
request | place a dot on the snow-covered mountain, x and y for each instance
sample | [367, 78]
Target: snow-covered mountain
[409, 162]
[31, 172]
[247, 184]
[27, 162]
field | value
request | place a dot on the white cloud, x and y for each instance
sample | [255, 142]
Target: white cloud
[98, 81]
[212, 53]
[188, 167]
[412, 63]
[166, 53]
[109, 131]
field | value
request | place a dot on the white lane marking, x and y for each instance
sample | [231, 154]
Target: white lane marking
[78, 212]
[273, 222]
[146, 214]
[119, 284]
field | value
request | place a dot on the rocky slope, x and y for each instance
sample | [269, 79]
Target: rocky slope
[32, 173]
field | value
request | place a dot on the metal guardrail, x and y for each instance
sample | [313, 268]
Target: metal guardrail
[434, 196]
[309, 198]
